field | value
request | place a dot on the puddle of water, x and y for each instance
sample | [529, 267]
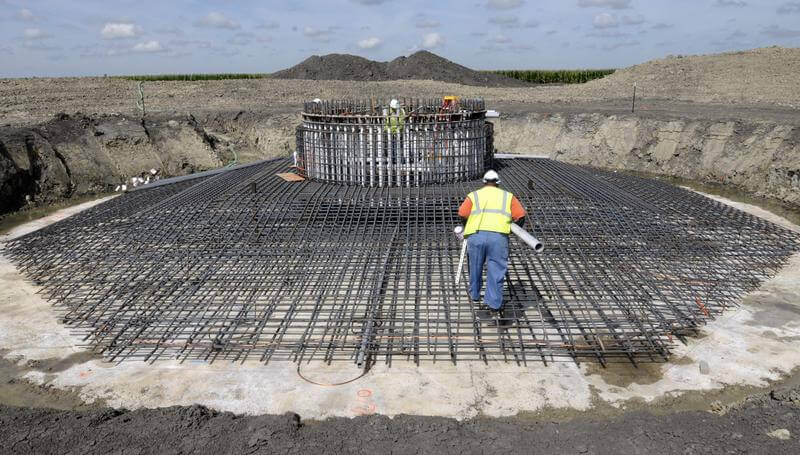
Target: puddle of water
[17, 391]
[12, 220]
[728, 192]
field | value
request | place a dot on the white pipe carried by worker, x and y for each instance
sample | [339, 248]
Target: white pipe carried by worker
[491, 214]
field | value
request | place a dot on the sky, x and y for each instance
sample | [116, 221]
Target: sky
[116, 37]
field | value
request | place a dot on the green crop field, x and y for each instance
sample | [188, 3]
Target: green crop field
[194, 77]
[555, 76]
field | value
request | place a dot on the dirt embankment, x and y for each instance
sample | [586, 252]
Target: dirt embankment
[765, 424]
[74, 155]
[729, 118]
[763, 159]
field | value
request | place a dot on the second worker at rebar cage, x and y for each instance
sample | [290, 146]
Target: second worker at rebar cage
[489, 213]
[395, 121]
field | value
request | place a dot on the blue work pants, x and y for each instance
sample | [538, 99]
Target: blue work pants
[491, 248]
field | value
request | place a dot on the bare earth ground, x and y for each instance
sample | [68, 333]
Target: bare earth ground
[731, 420]
[759, 80]
[756, 86]
[31, 101]
[758, 425]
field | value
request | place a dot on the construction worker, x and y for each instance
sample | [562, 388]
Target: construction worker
[395, 120]
[395, 117]
[489, 213]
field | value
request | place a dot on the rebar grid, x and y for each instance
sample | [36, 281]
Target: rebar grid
[246, 265]
[353, 143]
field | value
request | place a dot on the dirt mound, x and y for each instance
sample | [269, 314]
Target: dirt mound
[766, 75]
[422, 65]
[341, 67]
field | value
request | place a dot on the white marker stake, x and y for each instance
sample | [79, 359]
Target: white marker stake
[458, 230]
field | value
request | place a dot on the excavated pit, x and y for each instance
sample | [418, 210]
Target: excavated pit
[243, 264]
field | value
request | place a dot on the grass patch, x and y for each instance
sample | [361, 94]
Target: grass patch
[555, 76]
[194, 77]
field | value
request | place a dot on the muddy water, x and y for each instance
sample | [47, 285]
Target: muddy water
[15, 390]
[21, 217]
[728, 192]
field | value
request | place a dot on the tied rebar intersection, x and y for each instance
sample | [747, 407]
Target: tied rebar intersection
[245, 265]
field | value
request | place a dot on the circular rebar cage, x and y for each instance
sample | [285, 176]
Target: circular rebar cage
[369, 144]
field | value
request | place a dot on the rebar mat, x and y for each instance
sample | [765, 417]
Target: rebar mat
[244, 264]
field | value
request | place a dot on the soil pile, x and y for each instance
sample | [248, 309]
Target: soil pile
[422, 65]
[339, 67]
[764, 424]
[766, 75]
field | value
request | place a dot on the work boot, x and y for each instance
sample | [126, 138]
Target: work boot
[490, 316]
[513, 313]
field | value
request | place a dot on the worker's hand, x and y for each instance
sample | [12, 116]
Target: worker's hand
[459, 232]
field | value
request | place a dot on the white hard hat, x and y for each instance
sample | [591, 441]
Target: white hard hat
[491, 176]
[394, 104]
[317, 100]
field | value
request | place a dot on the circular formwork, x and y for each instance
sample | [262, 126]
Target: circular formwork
[428, 142]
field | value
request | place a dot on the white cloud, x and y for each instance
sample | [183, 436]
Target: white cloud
[26, 15]
[369, 43]
[35, 34]
[40, 46]
[314, 32]
[636, 19]
[431, 40]
[170, 31]
[789, 8]
[613, 4]
[611, 47]
[370, 2]
[427, 23]
[499, 39]
[504, 4]
[322, 35]
[508, 20]
[217, 20]
[242, 38]
[733, 3]
[605, 20]
[148, 46]
[777, 32]
[269, 25]
[197, 44]
[512, 22]
[120, 30]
